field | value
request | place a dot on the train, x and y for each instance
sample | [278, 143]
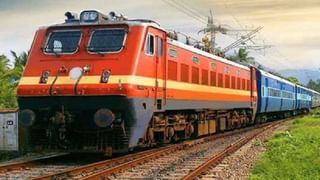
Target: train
[106, 83]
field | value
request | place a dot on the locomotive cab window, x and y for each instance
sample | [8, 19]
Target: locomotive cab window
[107, 40]
[150, 45]
[63, 42]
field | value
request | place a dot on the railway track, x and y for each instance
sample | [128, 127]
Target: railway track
[110, 165]
[203, 169]
[183, 164]
[36, 167]
[24, 169]
[157, 163]
[185, 160]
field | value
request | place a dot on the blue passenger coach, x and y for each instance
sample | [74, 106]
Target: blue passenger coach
[276, 96]
[315, 99]
[304, 98]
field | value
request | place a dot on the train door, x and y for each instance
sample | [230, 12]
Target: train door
[156, 43]
[160, 97]
[266, 84]
[282, 87]
[161, 70]
[293, 100]
[2, 132]
[297, 97]
[253, 92]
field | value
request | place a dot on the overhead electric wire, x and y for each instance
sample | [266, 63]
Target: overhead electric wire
[197, 15]
[280, 56]
[194, 11]
[183, 10]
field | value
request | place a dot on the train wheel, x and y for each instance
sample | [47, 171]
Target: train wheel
[169, 133]
[176, 137]
[264, 119]
[189, 131]
[149, 138]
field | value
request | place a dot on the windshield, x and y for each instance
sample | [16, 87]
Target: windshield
[106, 40]
[63, 42]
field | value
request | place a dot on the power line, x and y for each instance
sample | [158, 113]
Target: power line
[186, 6]
[231, 12]
[197, 15]
[171, 3]
[194, 11]
[190, 9]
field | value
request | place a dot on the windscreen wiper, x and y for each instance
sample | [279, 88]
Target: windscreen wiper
[97, 52]
[56, 54]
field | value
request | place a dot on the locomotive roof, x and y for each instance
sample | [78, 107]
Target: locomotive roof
[171, 41]
[137, 22]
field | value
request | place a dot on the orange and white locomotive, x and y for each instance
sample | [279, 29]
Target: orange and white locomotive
[105, 82]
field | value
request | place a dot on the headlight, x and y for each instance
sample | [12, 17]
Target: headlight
[105, 76]
[103, 117]
[75, 73]
[89, 16]
[44, 77]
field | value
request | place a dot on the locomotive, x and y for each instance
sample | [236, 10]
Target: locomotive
[106, 83]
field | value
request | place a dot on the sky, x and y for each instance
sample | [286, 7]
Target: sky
[292, 27]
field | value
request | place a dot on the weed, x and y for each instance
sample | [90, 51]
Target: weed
[257, 142]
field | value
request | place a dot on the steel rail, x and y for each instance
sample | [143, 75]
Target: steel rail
[86, 170]
[112, 166]
[108, 167]
[27, 163]
[227, 151]
[89, 171]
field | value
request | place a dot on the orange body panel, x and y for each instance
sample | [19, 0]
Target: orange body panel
[133, 62]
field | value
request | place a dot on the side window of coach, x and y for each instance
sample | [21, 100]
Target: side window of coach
[150, 44]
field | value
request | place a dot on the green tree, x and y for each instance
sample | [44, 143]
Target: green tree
[293, 80]
[9, 77]
[19, 63]
[276, 74]
[7, 98]
[315, 85]
[260, 67]
[242, 56]
[290, 78]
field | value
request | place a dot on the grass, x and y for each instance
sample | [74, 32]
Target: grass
[294, 154]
